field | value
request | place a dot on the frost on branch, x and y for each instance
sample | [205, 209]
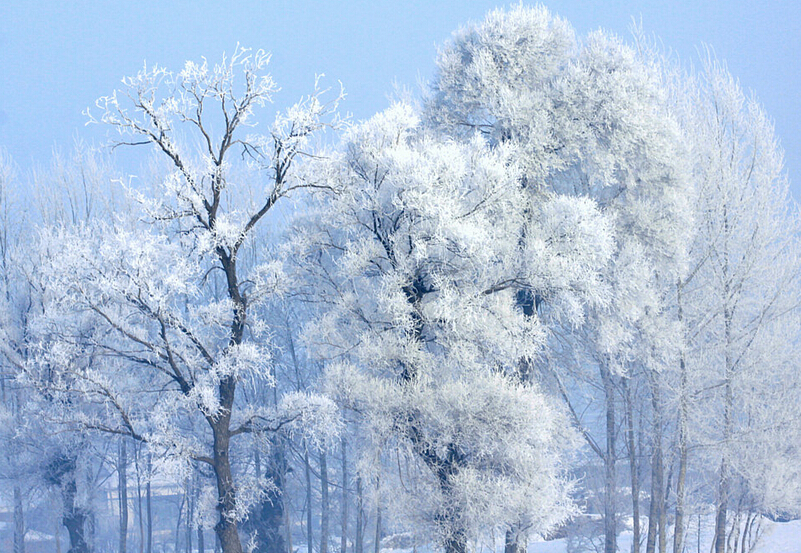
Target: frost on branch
[416, 259]
[156, 323]
[214, 195]
[510, 442]
[313, 417]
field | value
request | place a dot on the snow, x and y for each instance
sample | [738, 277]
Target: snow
[781, 537]
[778, 537]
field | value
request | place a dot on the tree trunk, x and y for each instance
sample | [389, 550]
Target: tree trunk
[514, 541]
[633, 468]
[177, 532]
[456, 542]
[19, 522]
[678, 529]
[61, 472]
[720, 517]
[653, 509]
[288, 527]
[267, 517]
[201, 541]
[698, 537]
[91, 530]
[74, 518]
[443, 468]
[324, 506]
[122, 493]
[723, 483]
[748, 533]
[657, 507]
[377, 542]
[226, 527]
[610, 522]
[57, 533]
[455, 534]
[139, 513]
[734, 535]
[149, 505]
[343, 538]
[663, 510]
[190, 515]
[309, 534]
[359, 515]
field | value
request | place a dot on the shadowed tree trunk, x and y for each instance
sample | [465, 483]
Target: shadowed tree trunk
[343, 539]
[655, 513]
[57, 533]
[377, 542]
[443, 464]
[139, 509]
[148, 504]
[74, 518]
[678, 529]
[288, 529]
[19, 522]
[723, 483]
[122, 490]
[513, 542]
[177, 532]
[324, 504]
[61, 472]
[359, 515]
[190, 512]
[633, 468]
[309, 534]
[226, 527]
[610, 516]
[720, 516]
[663, 510]
[266, 520]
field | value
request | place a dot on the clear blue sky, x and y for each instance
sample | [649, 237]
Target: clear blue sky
[56, 57]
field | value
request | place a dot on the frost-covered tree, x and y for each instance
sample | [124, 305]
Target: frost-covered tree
[417, 259]
[151, 326]
[49, 461]
[742, 307]
[12, 464]
[569, 233]
[589, 120]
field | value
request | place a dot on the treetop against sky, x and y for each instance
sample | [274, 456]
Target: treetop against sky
[58, 57]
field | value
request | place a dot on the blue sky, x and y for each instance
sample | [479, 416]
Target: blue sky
[56, 57]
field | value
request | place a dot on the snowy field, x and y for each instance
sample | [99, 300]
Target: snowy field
[777, 537]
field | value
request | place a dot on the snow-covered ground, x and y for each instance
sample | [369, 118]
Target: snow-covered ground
[777, 537]
[781, 537]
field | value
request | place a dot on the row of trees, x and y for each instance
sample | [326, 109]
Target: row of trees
[566, 280]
